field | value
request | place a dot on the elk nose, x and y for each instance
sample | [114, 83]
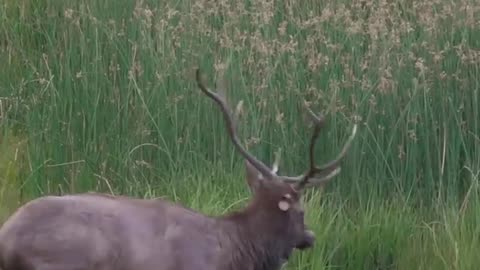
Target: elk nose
[307, 241]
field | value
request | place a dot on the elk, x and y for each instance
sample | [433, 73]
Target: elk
[94, 231]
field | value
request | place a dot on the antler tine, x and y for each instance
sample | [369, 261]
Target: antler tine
[230, 125]
[319, 175]
[275, 165]
[318, 123]
[317, 181]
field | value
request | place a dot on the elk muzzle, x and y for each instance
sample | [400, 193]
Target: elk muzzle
[307, 241]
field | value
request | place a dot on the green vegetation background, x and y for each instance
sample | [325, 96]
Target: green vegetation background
[100, 95]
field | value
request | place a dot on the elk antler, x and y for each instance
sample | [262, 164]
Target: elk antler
[217, 97]
[312, 177]
[319, 175]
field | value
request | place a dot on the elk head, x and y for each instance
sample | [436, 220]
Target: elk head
[278, 198]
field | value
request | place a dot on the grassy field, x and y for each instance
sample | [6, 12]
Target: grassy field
[100, 95]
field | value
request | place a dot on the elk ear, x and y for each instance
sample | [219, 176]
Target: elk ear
[254, 178]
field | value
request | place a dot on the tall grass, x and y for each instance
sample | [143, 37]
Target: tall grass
[101, 95]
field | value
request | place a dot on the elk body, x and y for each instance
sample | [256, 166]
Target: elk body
[93, 231]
